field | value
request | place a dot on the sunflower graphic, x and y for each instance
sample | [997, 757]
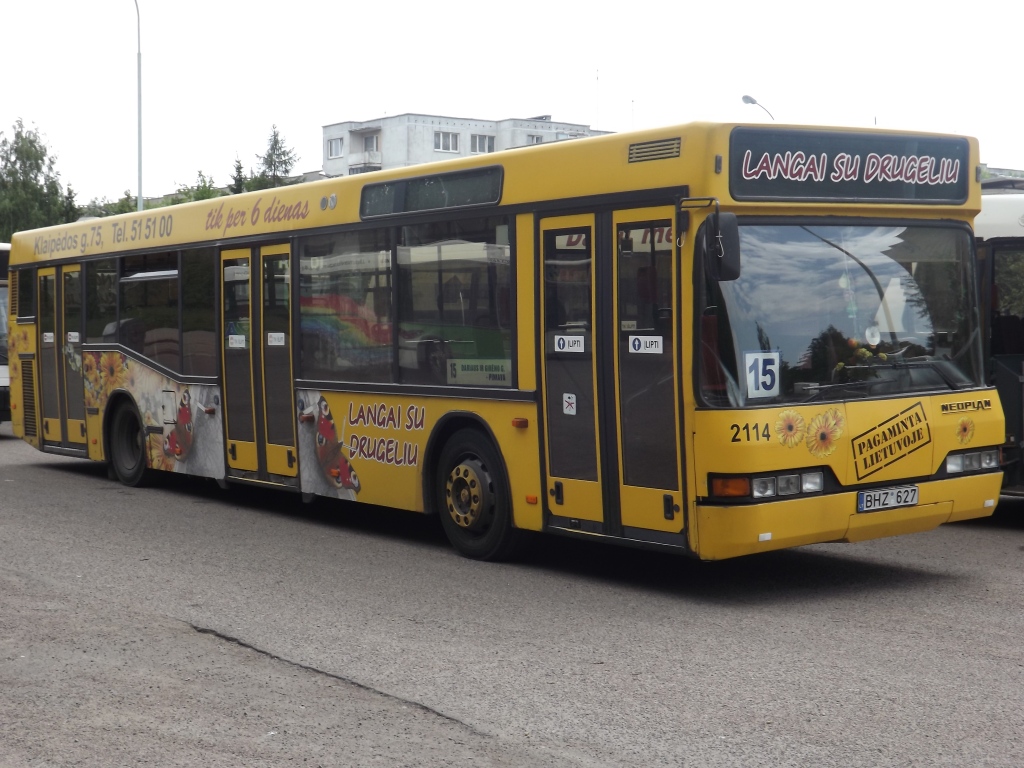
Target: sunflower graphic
[836, 417]
[91, 378]
[90, 368]
[129, 378]
[965, 430]
[790, 428]
[824, 432]
[111, 371]
[89, 396]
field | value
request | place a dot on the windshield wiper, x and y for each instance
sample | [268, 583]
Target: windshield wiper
[934, 366]
[817, 390]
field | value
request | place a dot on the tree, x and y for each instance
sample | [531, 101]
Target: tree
[257, 181]
[203, 190]
[31, 194]
[126, 204]
[99, 207]
[272, 169]
[237, 185]
[277, 163]
[96, 208]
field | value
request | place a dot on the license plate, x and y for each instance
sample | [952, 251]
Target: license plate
[887, 498]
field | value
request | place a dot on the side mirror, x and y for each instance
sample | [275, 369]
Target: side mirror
[722, 246]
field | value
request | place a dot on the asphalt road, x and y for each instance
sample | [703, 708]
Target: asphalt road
[184, 625]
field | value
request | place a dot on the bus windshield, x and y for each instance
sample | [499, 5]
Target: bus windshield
[841, 312]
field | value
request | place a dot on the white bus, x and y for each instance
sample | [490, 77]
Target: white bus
[999, 231]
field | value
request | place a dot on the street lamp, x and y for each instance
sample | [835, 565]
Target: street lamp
[752, 100]
[138, 23]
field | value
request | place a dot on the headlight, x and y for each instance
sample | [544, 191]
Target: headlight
[744, 488]
[763, 487]
[812, 482]
[789, 484]
[972, 462]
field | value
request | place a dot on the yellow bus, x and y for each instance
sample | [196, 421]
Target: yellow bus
[710, 339]
[5, 380]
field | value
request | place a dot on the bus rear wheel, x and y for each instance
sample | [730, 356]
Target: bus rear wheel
[128, 446]
[473, 498]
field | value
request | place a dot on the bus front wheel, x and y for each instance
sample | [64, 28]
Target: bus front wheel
[473, 498]
[127, 446]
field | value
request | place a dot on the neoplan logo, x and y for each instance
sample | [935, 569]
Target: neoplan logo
[967, 405]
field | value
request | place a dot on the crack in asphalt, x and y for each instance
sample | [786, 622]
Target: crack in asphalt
[340, 678]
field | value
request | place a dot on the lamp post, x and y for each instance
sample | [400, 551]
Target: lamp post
[138, 23]
[752, 100]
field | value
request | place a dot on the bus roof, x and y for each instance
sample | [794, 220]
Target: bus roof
[1002, 215]
[810, 167]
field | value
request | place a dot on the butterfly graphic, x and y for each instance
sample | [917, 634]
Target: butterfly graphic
[330, 451]
[178, 442]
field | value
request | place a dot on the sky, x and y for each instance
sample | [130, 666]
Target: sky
[218, 74]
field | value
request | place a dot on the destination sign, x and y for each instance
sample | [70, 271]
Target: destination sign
[769, 164]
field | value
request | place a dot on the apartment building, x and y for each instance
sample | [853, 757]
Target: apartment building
[401, 140]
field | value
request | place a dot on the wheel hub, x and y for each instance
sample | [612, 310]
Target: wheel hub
[467, 493]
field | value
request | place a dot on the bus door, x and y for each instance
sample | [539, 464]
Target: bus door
[644, 323]
[573, 453]
[278, 383]
[60, 356]
[258, 388]
[611, 372]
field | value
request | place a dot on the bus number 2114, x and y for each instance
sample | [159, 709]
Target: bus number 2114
[751, 432]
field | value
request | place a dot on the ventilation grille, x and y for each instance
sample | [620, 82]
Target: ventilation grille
[663, 149]
[28, 397]
[12, 294]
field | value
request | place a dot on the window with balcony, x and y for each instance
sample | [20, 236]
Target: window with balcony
[446, 141]
[479, 143]
[371, 143]
[534, 138]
